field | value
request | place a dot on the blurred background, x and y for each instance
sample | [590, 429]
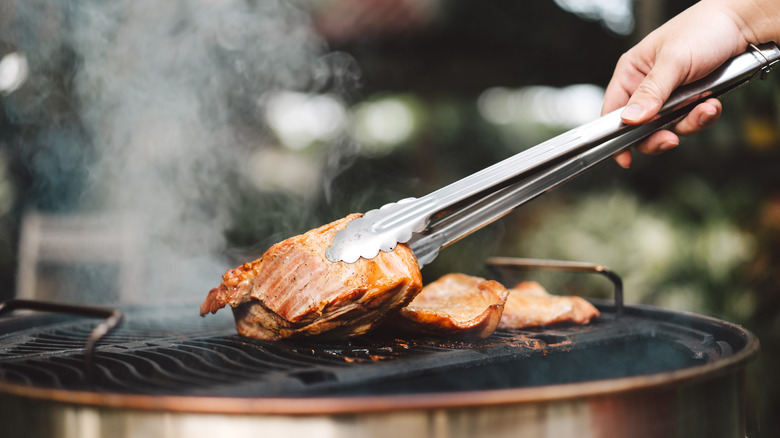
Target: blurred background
[147, 147]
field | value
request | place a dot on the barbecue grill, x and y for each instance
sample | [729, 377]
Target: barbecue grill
[163, 371]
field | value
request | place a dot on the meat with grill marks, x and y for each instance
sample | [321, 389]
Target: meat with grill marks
[455, 305]
[293, 290]
[530, 305]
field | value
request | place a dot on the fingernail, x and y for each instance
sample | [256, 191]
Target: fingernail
[623, 160]
[705, 118]
[632, 113]
[665, 146]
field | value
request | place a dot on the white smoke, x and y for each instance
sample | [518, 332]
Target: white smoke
[170, 94]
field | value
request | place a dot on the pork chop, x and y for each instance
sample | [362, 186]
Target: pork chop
[529, 305]
[455, 305]
[294, 290]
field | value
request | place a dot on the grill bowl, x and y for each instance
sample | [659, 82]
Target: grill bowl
[640, 372]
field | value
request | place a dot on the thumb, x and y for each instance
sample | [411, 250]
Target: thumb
[650, 95]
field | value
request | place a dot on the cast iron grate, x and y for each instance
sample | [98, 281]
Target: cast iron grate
[176, 352]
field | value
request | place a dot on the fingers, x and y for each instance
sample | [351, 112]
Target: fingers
[643, 80]
[623, 159]
[701, 117]
[656, 143]
[652, 92]
[629, 72]
[678, 52]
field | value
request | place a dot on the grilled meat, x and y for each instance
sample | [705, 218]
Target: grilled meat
[293, 290]
[530, 305]
[456, 305]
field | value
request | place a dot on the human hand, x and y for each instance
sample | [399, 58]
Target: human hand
[686, 48]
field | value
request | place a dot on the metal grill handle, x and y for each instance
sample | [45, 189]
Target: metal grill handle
[560, 265]
[112, 318]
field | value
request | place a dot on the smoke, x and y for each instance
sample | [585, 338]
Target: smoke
[172, 93]
[170, 97]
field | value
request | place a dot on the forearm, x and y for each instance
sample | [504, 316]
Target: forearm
[758, 20]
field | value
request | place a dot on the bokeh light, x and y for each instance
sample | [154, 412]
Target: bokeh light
[300, 119]
[381, 124]
[13, 72]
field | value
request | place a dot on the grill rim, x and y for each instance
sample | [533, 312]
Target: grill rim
[328, 405]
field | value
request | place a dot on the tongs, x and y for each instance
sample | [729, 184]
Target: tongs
[443, 217]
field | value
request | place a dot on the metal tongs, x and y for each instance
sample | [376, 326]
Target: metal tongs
[443, 217]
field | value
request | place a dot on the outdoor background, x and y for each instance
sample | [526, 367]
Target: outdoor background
[203, 132]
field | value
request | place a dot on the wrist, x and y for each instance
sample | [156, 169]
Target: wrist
[758, 20]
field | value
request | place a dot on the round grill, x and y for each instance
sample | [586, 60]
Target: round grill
[164, 371]
[175, 352]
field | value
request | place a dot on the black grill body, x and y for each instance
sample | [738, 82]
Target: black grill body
[172, 351]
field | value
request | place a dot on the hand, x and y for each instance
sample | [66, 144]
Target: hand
[686, 48]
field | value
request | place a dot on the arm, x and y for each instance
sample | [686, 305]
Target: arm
[686, 48]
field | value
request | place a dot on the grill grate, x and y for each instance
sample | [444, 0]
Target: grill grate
[176, 352]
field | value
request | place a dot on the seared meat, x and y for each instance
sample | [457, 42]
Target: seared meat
[455, 305]
[530, 305]
[293, 290]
